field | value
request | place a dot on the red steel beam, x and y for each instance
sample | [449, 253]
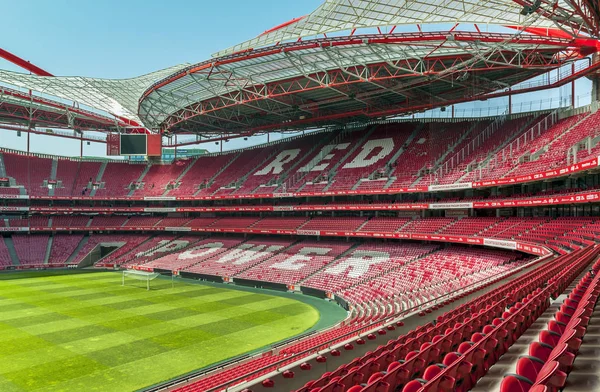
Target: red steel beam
[216, 139]
[406, 38]
[17, 129]
[26, 65]
[412, 108]
[91, 116]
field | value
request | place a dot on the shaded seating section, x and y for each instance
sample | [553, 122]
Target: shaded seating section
[5, 259]
[142, 221]
[96, 239]
[335, 224]
[265, 177]
[85, 172]
[66, 173]
[289, 223]
[70, 221]
[384, 224]
[372, 156]
[173, 222]
[28, 170]
[136, 253]
[201, 222]
[108, 220]
[159, 176]
[247, 161]
[133, 241]
[199, 174]
[117, 178]
[306, 163]
[31, 248]
[556, 155]
[63, 246]
[234, 222]
[432, 140]
[472, 154]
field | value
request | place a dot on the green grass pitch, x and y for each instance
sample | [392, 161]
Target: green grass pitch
[85, 332]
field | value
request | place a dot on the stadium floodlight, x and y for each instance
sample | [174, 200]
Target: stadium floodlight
[139, 275]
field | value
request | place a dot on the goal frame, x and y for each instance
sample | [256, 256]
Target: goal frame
[139, 275]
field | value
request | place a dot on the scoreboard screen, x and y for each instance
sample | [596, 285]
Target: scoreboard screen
[133, 145]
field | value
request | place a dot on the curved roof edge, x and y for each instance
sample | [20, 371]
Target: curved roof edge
[348, 15]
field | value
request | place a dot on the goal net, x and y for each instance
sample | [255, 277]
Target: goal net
[139, 276]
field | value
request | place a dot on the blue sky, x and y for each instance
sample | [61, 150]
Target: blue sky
[119, 39]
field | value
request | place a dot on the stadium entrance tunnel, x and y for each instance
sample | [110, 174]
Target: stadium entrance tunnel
[99, 252]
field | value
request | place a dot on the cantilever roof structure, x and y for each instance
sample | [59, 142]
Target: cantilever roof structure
[330, 81]
[118, 97]
[574, 16]
[348, 60]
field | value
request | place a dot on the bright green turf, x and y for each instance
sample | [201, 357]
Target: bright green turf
[85, 332]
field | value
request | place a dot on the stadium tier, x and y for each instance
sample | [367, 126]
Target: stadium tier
[391, 156]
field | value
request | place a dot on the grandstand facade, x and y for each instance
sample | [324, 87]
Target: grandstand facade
[445, 239]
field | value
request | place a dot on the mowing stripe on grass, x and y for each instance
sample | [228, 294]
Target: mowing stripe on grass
[76, 331]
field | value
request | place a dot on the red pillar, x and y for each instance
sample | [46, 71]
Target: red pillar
[573, 86]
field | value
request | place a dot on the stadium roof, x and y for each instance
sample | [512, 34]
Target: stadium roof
[118, 97]
[574, 16]
[343, 62]
[331, 65]
[327, 81]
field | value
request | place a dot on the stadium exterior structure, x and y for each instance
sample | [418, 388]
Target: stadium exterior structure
[345, 90]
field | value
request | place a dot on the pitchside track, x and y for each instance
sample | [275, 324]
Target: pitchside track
[86, 332]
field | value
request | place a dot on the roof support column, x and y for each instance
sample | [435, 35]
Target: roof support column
[573, 86]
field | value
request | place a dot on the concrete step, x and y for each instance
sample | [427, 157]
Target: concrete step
[11, 250]
[48, 249]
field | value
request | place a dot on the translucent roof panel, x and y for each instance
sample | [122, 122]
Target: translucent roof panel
[347, 15]
[118, 97]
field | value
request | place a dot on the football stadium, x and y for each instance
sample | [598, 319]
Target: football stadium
[374, 196]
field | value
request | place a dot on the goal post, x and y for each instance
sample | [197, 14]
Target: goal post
[139, 275]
